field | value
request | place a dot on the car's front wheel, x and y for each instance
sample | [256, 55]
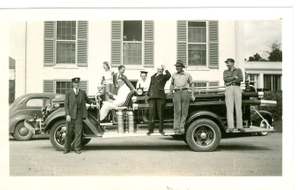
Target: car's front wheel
[58, 136]
[203, 135]
[22, 133]
[263, 124]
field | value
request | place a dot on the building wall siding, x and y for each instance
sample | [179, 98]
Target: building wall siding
[99, 50]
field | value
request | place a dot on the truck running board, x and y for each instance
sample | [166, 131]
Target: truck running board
[167, 132]
[254, 129]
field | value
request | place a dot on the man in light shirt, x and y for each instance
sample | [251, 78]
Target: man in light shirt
[119, 99]
[233, 95]
[181, 82]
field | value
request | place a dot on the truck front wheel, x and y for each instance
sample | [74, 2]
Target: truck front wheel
[203, 135]
[58, 136]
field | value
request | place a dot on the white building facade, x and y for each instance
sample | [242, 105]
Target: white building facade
[49, 53]
[265, 75]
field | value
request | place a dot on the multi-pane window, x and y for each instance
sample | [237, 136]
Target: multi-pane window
[132, 42]
[63, 87]
[204, 86]
[253, 79]
[199, 87]
[65, 42]
[197, 43]
[272, 82]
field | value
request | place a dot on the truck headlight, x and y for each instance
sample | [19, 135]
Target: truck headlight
[140, 91]
[134, 99]
[260, 94]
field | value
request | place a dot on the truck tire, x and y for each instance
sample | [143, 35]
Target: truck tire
[203, 135]
[22, 133]
[58, 135]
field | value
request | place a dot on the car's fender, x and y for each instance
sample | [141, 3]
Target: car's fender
[204, 114]
[14, 120]
[58, 114]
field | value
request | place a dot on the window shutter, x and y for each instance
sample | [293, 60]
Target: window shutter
[181, 40]
[213, 44]
[149, 44]
[116, 43]
[82, 37]
[49, 34]
[83, 85]
[49, 86]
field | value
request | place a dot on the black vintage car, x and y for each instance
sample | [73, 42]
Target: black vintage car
[206, 123]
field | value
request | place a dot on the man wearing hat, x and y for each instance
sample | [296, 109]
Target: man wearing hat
[143, 82]
[181, 82]
[75, 109]
[142, 87]
[157, 98]
[233, 95]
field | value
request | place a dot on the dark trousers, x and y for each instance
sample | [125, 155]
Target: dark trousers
[76, 125]
[156, 105]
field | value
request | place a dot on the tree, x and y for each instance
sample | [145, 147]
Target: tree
[256, 57]
[275, 54]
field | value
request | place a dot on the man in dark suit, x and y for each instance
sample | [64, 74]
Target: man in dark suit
[75, 109]
[157, 98]
[120, 74]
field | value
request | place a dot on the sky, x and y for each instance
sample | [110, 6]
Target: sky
[259, 34]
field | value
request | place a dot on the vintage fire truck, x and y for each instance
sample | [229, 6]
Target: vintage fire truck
[206, 123]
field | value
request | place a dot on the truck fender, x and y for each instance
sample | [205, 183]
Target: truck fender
[57, 114]
[204, 114]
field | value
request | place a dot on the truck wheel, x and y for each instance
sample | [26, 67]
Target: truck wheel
[58, 136]
[203, 135]
[22, 133]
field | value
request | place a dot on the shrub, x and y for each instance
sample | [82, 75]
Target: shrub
[275, 110]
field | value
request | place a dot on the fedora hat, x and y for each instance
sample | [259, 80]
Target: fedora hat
[179, 63]
[229, 60]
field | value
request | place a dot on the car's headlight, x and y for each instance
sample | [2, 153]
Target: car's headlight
[56, 105]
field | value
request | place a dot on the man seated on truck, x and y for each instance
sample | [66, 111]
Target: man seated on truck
[119, 99]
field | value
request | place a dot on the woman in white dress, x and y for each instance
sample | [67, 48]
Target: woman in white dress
[107, 81]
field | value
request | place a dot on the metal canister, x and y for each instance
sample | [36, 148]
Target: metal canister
[130, 121]
[120, 121]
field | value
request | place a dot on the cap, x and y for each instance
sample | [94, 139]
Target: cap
[179, 63]
[146, 72]
[76, 80]
[229, 60]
